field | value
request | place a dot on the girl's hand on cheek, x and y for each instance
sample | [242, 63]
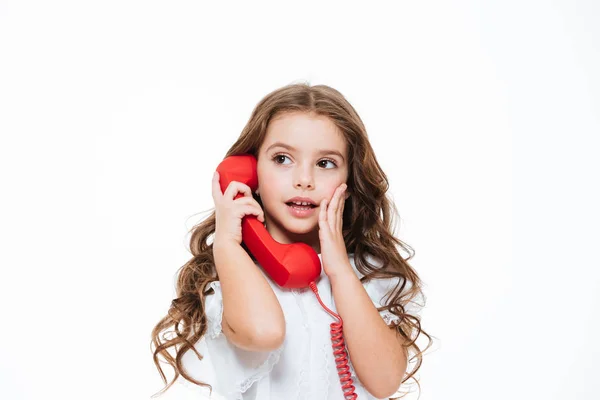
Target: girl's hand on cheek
[333, 248]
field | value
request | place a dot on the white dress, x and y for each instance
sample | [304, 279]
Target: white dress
[302, 368]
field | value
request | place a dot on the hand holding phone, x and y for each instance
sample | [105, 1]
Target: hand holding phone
[231, 206]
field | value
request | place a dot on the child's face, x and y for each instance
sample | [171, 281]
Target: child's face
[309, 167]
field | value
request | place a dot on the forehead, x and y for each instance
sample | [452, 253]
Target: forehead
[306, 132]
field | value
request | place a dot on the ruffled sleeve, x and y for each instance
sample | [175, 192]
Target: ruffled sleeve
[239, 369]
[214, 311]
[380, 289]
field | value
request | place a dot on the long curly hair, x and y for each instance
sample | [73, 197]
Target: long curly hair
[368, 230]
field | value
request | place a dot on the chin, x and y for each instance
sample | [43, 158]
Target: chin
[301, 231]
[300, 226]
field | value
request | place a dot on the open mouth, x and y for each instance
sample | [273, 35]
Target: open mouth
[300, 207]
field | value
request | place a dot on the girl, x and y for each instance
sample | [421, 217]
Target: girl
[236, 331]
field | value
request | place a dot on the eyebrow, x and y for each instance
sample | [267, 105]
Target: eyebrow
[287, 146]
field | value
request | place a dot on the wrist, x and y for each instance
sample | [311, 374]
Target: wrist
[342, 275]
[223, 243]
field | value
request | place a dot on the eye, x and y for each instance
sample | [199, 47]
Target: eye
[278, 156]
[283, 156]
[328, 160]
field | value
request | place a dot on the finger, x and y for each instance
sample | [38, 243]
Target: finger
[251, 210]
[332, 211]
[245, 200]
[216, 188]
[341, 213]
[260, 214]
[323, 216]
[236, 188]
[323, 210]
[250, 202]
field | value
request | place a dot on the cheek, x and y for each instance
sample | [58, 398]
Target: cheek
[270, 183]
[331, 194]
[332, 186]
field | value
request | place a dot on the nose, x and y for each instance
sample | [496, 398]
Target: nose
[303, 178]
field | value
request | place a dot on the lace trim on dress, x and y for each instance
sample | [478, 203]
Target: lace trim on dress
[214, 328]
[389, 317]
[192, 386]
[262, 371]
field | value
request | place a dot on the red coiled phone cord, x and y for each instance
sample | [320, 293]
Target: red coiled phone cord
[341, 359]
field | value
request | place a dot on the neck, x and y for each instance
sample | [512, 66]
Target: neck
[282, 236]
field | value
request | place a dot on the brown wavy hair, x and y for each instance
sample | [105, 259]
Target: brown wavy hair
[368, 226]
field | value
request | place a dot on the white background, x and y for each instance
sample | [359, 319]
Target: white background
[484, 115]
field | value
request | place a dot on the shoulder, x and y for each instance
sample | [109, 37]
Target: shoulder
[369, 263]
[381, 288]
[375, 286]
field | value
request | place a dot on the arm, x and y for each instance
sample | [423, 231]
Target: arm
[252, 316]
[375, 349]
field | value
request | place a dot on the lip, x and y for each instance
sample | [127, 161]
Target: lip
[304, 199]
[300, 213]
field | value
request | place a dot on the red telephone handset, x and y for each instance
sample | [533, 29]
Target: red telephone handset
[293, 265]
